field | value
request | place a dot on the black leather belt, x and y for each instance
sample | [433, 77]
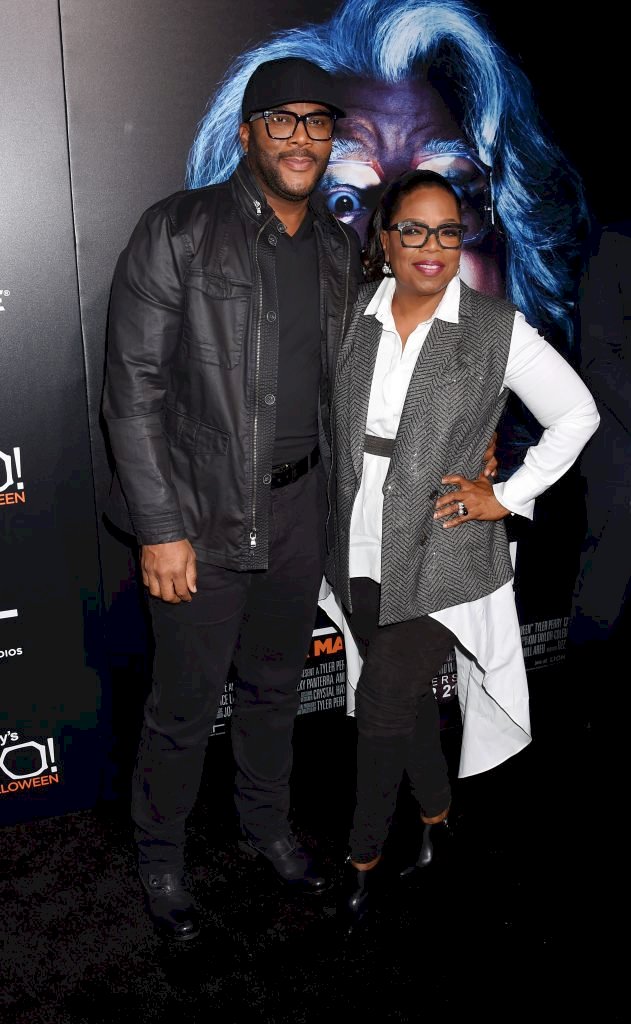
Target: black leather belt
[288, 472]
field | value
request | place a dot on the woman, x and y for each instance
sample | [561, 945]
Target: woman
[418, 551]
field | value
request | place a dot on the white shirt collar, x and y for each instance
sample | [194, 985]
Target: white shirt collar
[380, 305]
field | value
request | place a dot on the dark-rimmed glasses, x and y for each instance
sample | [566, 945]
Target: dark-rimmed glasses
[282, 124]
[414, 234]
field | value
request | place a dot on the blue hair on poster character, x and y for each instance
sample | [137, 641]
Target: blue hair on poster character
[526, 204]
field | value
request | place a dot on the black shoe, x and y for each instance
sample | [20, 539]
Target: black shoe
[435, 845]
[292, 864]
[171, 907]
[360, 892]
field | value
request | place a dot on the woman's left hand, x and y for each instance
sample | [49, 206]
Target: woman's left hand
[472, 499]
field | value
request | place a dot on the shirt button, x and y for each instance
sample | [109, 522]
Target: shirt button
[270, 317]
[267, 478]
[280, 228]
[269, 399]
[272, 239]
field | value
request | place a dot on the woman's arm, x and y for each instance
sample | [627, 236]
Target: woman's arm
[557, 397]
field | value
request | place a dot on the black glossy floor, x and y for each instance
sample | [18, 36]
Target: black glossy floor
[522, 924]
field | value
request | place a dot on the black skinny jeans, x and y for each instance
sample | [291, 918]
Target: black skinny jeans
[398, 721]
[263, 621]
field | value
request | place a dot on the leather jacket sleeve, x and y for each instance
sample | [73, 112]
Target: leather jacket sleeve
[144, 332]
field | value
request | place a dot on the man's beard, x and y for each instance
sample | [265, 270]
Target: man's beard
[268, 169]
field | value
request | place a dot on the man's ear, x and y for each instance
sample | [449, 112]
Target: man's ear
[244, 136]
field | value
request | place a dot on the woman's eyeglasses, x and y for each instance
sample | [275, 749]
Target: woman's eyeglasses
[414, 234]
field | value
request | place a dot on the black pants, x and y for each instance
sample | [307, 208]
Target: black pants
[398, 722]
[263, 621]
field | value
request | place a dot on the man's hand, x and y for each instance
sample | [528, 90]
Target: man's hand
[472, 499]
[490, 462]
[169, 570]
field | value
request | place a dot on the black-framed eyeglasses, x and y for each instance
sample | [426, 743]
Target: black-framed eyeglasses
[282, 124]
[414, 234]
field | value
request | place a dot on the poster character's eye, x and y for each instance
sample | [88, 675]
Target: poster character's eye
[344, 203]
[470, 180]
[351, 188]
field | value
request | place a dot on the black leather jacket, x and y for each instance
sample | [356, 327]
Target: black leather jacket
[190, 388]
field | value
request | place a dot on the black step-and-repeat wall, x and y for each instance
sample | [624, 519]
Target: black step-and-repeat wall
[50, 705]
[99, 106]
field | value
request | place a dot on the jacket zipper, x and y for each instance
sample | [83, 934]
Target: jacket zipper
[255, 428]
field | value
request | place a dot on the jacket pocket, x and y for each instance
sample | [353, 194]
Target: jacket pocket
[193, 435]
[215, 318]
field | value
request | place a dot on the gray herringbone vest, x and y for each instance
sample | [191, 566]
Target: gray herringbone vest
[451, 409]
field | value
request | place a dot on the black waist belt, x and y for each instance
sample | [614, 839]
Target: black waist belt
[383, 446]
[290, 471]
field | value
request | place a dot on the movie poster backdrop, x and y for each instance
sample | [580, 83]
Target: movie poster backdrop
[101, 103]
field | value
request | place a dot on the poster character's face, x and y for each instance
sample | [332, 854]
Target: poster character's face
[424, 270]
[390, 129]
[288, 168]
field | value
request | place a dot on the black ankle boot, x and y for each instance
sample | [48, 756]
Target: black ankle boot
[432, 846]
[359, 892]
[435, 843]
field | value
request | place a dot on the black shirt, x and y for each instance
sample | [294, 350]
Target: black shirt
[299, 352]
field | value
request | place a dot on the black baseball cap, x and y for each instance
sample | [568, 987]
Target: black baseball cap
[289, 80]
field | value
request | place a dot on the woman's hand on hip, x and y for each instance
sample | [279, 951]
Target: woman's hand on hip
[471, 499]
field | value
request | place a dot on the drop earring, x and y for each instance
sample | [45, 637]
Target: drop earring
[386, 269]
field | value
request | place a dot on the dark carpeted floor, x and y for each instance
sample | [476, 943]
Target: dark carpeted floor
[520, 926]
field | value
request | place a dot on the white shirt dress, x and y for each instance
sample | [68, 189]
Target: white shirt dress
[492, 683]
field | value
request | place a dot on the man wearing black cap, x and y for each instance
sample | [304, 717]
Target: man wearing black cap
[228, 307]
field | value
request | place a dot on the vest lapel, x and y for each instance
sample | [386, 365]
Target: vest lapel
[365, 350]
